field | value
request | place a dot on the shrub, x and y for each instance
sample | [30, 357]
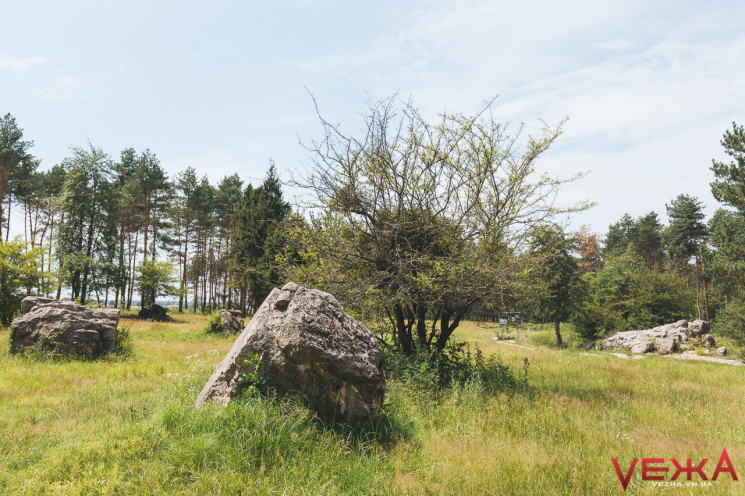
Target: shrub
[123, 347]
[213, 325]
[730, 322]
[429, 371]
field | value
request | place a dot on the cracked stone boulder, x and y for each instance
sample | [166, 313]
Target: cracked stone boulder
[664, 339]
[64, 326]
[309, 347]
[698, 328]
[231, 321]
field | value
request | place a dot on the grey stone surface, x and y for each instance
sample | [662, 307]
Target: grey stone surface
[708, 340]
[309, 347]
[664, 339]
[65, 326]
[698, 328]
[231, 321]
[666, 345]
[722, 351]
[642, 346]
[30, 302]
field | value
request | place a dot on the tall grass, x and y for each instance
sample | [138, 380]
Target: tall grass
[127, 426]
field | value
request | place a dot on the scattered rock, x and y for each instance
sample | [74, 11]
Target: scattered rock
[309, 347]
[64, 326]
[722, 351]
[690, 355]
[698, 328]
[153, 312]
[707, 340]
[666, 345]
[643, 347]
[664, 339]
[231, 321]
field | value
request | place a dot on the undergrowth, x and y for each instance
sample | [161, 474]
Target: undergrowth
[431, 372]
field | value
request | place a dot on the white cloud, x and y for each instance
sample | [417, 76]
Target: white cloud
[251, 164]
[649, 88]
[67, 88]
[19, 64]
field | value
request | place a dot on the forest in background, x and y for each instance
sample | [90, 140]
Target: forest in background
[100, 229]
[103, 229]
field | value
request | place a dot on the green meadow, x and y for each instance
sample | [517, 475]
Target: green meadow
[125, 424]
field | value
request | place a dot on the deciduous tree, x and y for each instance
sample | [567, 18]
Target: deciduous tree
[426, 217]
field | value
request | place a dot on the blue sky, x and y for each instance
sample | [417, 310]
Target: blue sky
[649, 87]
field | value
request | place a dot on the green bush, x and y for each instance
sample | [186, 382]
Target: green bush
[730, 322]
[429, 371]
[123, 347]
[213, 325]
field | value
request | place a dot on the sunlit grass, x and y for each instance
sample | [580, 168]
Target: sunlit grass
[127, 426]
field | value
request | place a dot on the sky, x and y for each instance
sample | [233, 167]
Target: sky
[224, 86]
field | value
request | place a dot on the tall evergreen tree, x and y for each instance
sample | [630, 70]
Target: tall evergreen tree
[154, 191]
[229, 194]
[729, 186]
[685, 234]
[260, 213]
[86, 240]
[15, 162]
[186, 185]
[559, 273]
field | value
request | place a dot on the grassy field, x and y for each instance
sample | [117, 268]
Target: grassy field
[126, 425]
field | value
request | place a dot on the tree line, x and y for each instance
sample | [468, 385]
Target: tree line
[102, 229]
[416, 225]
[643, 272]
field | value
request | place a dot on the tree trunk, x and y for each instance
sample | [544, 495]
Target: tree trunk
[698, 284]
[404, 337]
[559, 342]
[706, 292]
[7, 224]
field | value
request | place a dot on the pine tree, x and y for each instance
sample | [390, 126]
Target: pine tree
[729, 187]
[87, 234]
[685, 235]
[15, 162]
[260, 213]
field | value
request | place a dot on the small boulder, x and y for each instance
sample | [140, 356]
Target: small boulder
[698, 328]
[309, 347]
[667, 345]
[707, 340]
[643, 347]
[722, 351]
[153, 312]
[64, 326]
[231, 321]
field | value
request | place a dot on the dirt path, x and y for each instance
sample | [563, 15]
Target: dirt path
[511, 343]
[689, 355]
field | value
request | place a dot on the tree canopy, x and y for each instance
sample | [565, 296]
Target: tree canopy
[426, 218]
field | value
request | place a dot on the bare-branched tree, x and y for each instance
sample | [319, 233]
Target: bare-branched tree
[425, 219]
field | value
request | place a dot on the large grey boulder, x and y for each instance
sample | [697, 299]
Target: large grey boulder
[231, 321]
[309, 347]
[64, 326]
[664, 339]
